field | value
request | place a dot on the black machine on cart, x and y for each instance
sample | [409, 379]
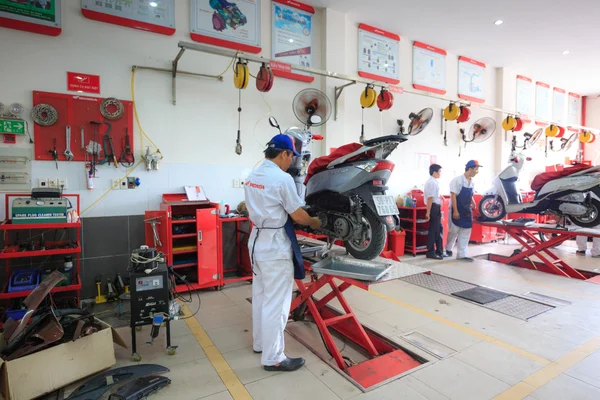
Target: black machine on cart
[150, 296]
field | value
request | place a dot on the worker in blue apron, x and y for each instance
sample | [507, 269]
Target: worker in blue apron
[461, 211]
[273, 206]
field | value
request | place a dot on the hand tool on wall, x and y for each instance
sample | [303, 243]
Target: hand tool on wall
[109, 151]
[94, 149]
[54, 153]
[68, 153]
[82, 138]
[127, 158]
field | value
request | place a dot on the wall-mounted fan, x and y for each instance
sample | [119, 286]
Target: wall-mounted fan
[418, 122]
[312, 107]
[479, 132]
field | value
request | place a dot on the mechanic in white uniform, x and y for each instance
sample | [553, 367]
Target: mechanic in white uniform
[272, 198]
[461, 206]
[582, 245]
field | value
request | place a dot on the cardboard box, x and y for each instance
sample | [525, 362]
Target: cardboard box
[45, 371]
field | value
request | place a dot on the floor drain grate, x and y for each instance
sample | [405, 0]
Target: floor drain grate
[517, 307]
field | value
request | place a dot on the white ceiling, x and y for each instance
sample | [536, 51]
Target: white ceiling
[531, 39]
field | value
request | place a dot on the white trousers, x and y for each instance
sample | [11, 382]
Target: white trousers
[271, 300]
[460, 235]
[582, 245]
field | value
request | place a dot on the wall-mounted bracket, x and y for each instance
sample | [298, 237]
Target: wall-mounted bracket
[338, 93]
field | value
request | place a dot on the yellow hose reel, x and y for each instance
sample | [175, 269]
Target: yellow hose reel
[241, 75]
[552, 131]
[452, 112]
[509, 123]
[587, 137]
[368, 98]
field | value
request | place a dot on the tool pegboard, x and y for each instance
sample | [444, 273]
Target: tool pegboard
[78, 111]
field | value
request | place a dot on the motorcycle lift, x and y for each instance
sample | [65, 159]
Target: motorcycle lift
[384, 360]
[528, 236]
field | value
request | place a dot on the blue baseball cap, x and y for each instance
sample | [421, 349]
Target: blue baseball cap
[283, 142]
[473, 164]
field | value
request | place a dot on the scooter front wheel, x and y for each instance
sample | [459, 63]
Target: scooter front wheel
[492, 208]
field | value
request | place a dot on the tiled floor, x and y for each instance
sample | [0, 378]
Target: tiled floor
[492, 352]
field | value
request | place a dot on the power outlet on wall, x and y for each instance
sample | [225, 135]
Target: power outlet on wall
[114, 184]
[237, 184]
[62, 183]
[53, 183]
[43, 183]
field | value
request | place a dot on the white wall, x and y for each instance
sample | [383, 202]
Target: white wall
[197, 137]
[592, 119]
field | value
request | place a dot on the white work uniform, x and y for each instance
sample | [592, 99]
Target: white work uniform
[270, 197]
[456, 234]
[582, 244]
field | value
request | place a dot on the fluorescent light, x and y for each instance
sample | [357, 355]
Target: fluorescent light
[153, 4]
[564, 53]
[498, 22]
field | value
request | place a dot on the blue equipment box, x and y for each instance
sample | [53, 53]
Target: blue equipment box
[24, 279]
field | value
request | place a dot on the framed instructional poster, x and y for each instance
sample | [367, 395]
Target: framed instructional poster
[574, 110]
[525, 98]
[429, 68]
[234, 25]
[42, 16]
[378, 53]
[542, 103]
[471, 80]
[558, 106]
[292, 37]
[152, 16]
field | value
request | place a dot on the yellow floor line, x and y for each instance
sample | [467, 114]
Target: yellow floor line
[535, 381]
[230, 380]
[464, 329]
[573, 292]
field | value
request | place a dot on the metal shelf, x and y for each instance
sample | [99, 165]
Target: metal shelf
[184, 235]
[7, 225]
[38, 253]
[58, 289]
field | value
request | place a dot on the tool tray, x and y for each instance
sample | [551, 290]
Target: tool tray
[370, 271]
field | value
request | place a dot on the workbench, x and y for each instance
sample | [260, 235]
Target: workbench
[386, 359]
[529, 237]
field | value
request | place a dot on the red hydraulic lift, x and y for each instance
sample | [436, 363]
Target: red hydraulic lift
[385, 359]
[529, 237]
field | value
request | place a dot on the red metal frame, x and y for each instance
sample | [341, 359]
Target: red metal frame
[243, 268]
[412, 231]
[386, 360]
[10, 252]
[551, 263]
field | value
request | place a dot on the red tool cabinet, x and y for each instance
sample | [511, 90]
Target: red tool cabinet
[190, 236]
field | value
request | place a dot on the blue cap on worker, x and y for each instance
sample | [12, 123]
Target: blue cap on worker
[473, 164]
[283, 142]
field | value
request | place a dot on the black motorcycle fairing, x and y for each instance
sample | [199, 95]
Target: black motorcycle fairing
[140, 388]
[332, 201]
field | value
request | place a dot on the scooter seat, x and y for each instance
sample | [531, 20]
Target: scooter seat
[540, 180]
[320, 163]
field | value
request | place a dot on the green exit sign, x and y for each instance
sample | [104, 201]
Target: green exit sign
[12, 126]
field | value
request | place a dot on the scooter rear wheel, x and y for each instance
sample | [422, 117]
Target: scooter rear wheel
[368, 249]
[492, 208]
[592, 220]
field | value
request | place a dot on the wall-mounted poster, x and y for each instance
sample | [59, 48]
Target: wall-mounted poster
[471, 80]
[152, 16]
[43, 17]
[378, 53]
[292, 37]
[574, 110]
[542, 103]
[429, 68]
[235, 25]
[558, 106]
[525, 98]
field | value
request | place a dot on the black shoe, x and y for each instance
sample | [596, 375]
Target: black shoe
[434, 256]
[257, 352]
[445, 255]
[448, 253]
[287, 365]
[580, 252]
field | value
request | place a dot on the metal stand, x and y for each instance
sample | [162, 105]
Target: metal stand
[134, 328]
[386, 359]
[528, 237]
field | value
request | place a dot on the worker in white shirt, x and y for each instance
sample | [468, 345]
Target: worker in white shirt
[582, 245]
[273, 202]
[431, 192]
[462, 204]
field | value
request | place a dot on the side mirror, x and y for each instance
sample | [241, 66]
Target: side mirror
[529, 158]
[315, 119]
[274, 123]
